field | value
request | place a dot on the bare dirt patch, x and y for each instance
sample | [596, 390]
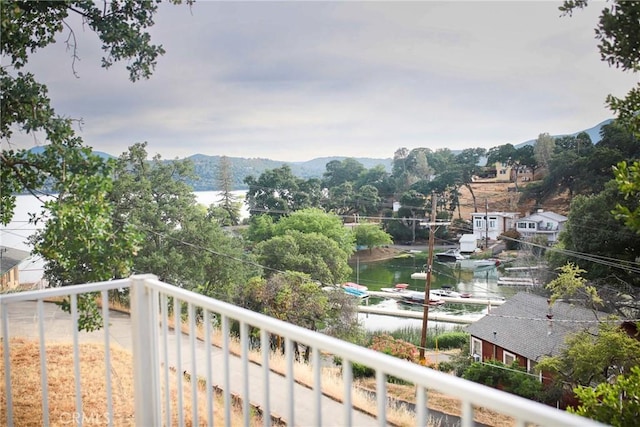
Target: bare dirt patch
[501, 197]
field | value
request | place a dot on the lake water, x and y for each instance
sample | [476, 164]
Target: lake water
[482, 283]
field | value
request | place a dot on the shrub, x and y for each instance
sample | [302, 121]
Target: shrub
[453, 339]
[512, 379]
[394, 347]
[511, 239]
[359, 370]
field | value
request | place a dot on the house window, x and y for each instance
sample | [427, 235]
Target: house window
[476, 349]
[479, 223]
[522, 225]
[508, 358]
[532, 225]
[492, 222]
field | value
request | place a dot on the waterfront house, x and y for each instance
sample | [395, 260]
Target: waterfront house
[492, 224]
[541, 223]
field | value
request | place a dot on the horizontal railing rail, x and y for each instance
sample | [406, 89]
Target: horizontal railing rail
[172, 367]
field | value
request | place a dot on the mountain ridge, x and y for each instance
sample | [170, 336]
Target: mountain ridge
[206, 166]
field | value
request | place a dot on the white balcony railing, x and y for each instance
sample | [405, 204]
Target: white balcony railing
[157, 351]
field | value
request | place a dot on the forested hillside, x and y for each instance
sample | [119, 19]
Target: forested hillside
[206, 168]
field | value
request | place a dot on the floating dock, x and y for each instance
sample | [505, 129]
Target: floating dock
[516, 281]
[438, 317]
[455, 300]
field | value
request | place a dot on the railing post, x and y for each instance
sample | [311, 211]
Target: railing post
[145, 363]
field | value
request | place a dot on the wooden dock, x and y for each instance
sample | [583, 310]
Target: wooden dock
[517, 281]
[456, 300]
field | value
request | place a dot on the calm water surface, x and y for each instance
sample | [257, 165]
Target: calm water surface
[482, 283]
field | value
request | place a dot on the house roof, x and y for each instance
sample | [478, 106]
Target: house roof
[503, 214]
[538, 216]
[521, 325]
[10, 257]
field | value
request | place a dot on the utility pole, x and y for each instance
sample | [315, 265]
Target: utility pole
[486, 224]
[427, 287]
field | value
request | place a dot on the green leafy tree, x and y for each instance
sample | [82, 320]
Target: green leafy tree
[371, 235]
[571, 285]
[367, 200]
[589, 358]
[512, 239]
[261, 228]
[341, 198]
[314, 220]
[227, 212]
[467, 162]
[80, 241]
[309, 241]
[278, 192]
[339, 172]
[25, 106]
[74, 251]
[616, 404]
[311, 253]
[543, 150]
[591, 228]
[440, 160]
[379, 178]
[183, 244]
[628, 179]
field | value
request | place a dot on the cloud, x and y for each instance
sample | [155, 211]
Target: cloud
[297, 80]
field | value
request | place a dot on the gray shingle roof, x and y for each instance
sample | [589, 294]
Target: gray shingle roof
[536, 216]
[10, 257]
[522, 327]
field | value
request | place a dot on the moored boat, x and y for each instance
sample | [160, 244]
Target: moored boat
[489, 262]
[415, 297]
[451, 255]
[355, 292]
[355, 286]
[397, 289]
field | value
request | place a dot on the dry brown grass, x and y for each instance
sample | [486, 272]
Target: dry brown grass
[27, 388]
[333, 387]
[441, 402]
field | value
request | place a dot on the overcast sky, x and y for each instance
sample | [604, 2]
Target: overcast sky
[293, 81]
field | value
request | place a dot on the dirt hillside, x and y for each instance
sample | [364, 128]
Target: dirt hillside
[498, 198]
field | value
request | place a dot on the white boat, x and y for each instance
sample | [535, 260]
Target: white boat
[397, 289]
[443, 292]
[420, 275]
[451, 255]
[415, 297]
[489, 262]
